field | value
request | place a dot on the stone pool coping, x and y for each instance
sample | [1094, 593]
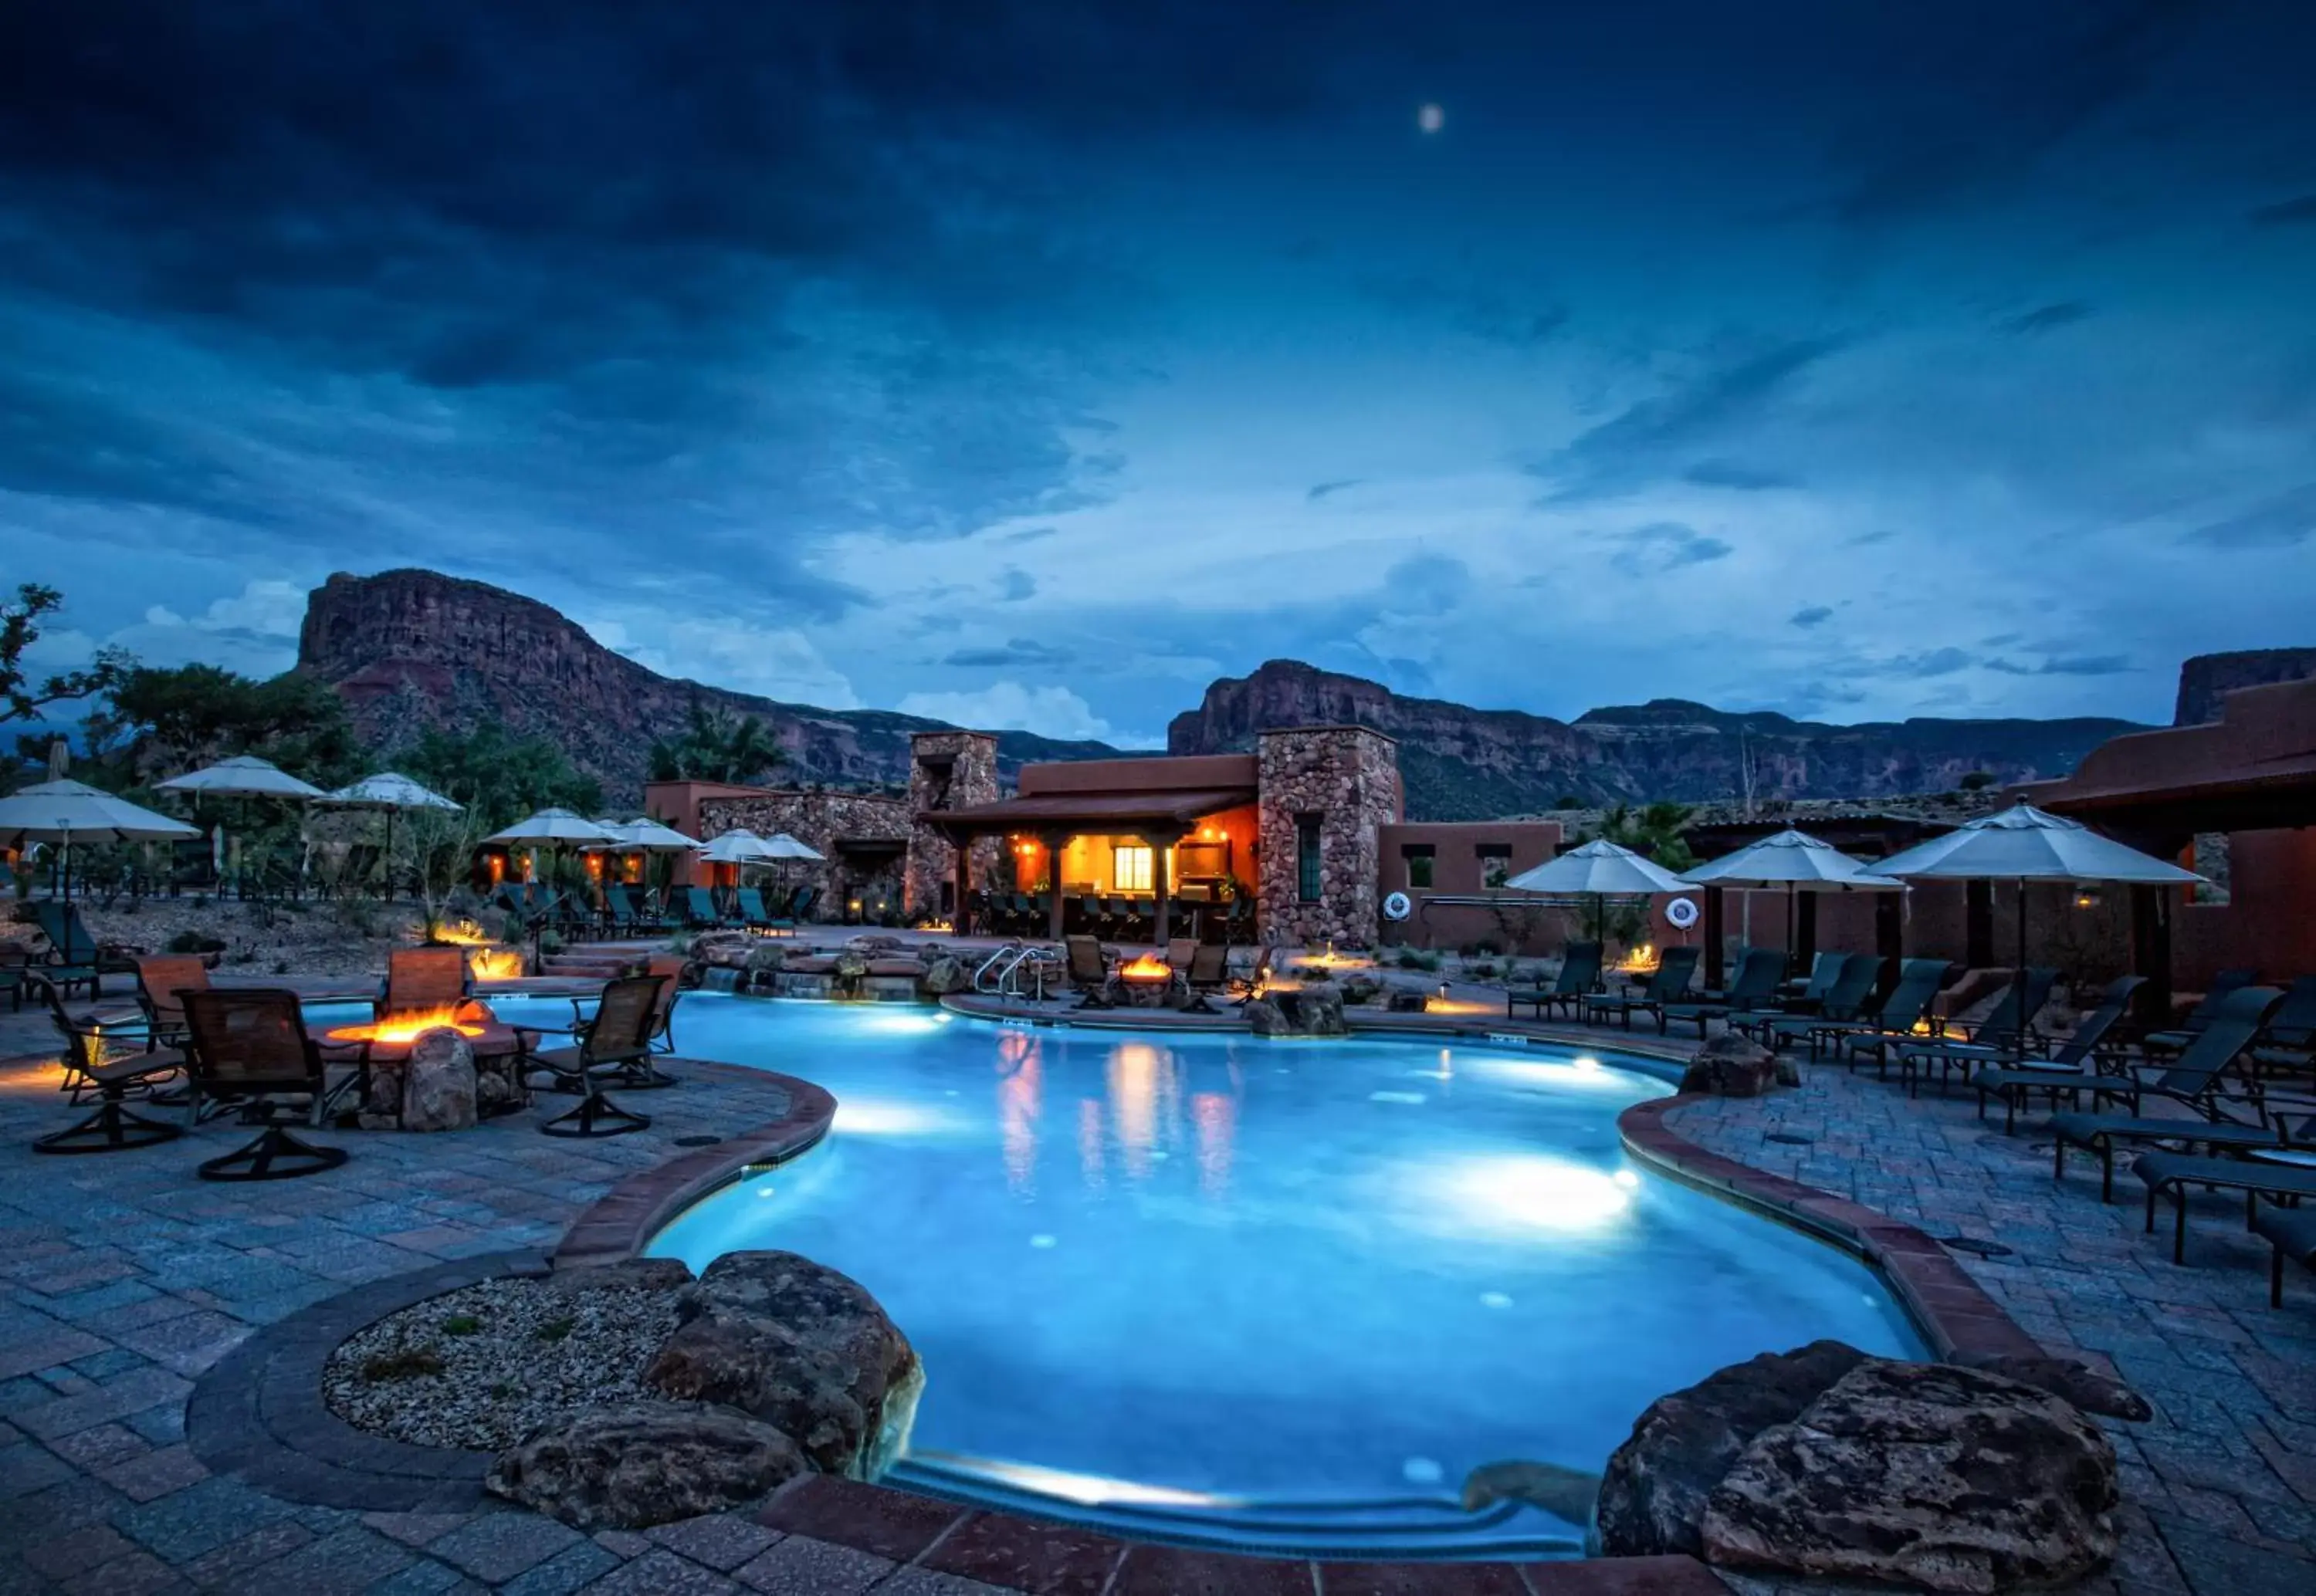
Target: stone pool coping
[260, 1412]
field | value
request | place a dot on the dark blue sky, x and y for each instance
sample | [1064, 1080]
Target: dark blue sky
[1031, 364]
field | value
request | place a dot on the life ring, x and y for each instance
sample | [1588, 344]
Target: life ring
[1398, 907]
[1682, 913]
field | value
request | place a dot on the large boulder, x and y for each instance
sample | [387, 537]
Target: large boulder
[2069, 1379]
[438, 1082]
[632, 1465]
[1730, 1066]
[1926, 1475]
[724, 949]
[1653, 1492]
[1320, 1009]
[1265, 1018]
[944, 975]
[802, 1348]
[1360, 989]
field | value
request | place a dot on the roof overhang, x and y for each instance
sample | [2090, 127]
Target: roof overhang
[1090, 811]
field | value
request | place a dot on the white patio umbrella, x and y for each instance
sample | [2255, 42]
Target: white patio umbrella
[1797, 862]
[392, 792]
[558, 829]
[64, 811]
[1600, 870]
[648, 836]
[784, 846]
[2024, 844]
[244, 776]
[739, 846]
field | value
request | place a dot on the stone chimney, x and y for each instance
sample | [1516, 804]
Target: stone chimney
[947, 770]
[1326, 793]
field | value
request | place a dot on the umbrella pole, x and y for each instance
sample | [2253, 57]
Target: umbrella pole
[1793, 965]
[2018, 1045]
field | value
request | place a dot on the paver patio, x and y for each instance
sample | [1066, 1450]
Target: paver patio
[127, 1279]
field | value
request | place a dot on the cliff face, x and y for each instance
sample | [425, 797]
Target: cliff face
[410, 649]
[2204, 679]
[1469, 764]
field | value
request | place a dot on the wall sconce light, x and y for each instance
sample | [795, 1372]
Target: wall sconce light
[2087, 897]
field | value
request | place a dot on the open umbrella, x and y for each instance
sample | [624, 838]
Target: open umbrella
[244, 776]
[1797, 862]
[1600, 870]
[2024, 844]
[63, 811]
[648, 836]
[392, 792]
[558, 829]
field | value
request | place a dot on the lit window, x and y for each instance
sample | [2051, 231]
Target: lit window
[1129, 869]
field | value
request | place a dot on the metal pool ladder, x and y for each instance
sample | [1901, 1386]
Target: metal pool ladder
[1016, 970]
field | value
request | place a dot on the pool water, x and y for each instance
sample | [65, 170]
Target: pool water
[1277, 1294]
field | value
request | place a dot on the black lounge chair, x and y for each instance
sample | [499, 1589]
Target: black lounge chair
[2176, 1038]
[700, 912]
[1755, 988]
[2292, 1232]
[2192, 1083]
[72, 958]
[617, 1038]
[112, 1128]
[250, 1047]
[2074, 1066]
[2007, 1032]
[1579, 972]
[1845, 1001]
[798, 908]
[1892, 1027]
[1666, 983]
[2288, 1045]
[2255, 1179]
[1825, 969]
[748, 909]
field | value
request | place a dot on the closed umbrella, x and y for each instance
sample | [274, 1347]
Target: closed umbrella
[1797, 862]
[1600, 870]
[2024, 844]
[392, 792]
[64, 812]
[246, 775]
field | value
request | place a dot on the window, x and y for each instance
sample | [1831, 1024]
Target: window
[1419, 856]
[1495, 865]
[1306, 857]
[1129, 869]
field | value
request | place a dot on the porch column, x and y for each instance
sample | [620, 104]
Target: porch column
[2151, 953]
[962, 846]
[1805, 932]
[1713, 961]
[1162, 920]
[1053, 842]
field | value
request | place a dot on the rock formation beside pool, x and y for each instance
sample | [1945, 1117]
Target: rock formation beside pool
[802, 1347]
[1732, 1065]
[1826, 1463]
[635, 1463]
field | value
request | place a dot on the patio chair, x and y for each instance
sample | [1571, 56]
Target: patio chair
[2288, 1182]
[748, 909]
[423, 978]
[112, 1128]
[1207, 973]
[1243, 989]
[619, 912]
[1580, 974]
[1179, 951]
[2176, 1039]
[1845, 999]
[16, 974]
[2000, 1032]
[700, 912]
[1891, 1026]
[160, 979]
[1755, 987]
[251, 1047]
[617, 1036]
[800, 910]
[2291, 1233]
[1807, 996]
[2073, 1066]
[2288, 1045]
[1088, 971]
[1666, 983]
[72, 956]
[2192, 1084]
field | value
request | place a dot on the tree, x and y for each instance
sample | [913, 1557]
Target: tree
[1977, 780]
[191, 715]
[22, 698]
[1655, 830]
[499, 777]
[716, 745]
[433, 851]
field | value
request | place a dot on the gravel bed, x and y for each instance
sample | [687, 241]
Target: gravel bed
[483, 1367]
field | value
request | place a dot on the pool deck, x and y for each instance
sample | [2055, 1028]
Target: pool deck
[129, 1283]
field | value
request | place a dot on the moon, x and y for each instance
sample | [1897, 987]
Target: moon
[1430, 119]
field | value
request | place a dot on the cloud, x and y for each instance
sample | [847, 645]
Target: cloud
[2042, 318]
[1815, 614]
[1009, 705]
[1665, 545]
[1019, 650]
[2284, 521]
[2067, 665]
[1425, 584]
[1935, 662]
[1645, 442]
[265, 610]
[1030, 535]
[1868, 539]
[2286, 213]
[1731, 474]
[1490, 314]
[1015, 585]
[776, 662]
[1319, 491]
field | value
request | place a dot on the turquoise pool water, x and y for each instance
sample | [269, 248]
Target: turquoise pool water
[1261, 1293]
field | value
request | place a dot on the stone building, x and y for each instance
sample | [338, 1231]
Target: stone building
[1325, 792]
[947, 770]
[863, 837]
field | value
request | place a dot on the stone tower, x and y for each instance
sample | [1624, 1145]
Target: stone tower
[947, 770]
[1326, 791]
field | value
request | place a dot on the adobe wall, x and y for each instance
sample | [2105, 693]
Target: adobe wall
[1349, 777]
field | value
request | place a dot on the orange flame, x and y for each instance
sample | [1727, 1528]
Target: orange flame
[412, 1024]
[1146, 967]
[487, 959]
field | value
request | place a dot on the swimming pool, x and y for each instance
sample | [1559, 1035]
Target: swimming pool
[1280, 1294]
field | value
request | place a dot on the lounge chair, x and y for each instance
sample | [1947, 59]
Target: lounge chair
[72, 957]
[2074, 1066]
[1755, 987]
[1089, 971]
[619, 912]
[2292, 1232]
[1579, 972]
[112, 1128]
[616, 1037]
[1825, 969]
[1666, 983]
[16, 975]
[423, 978]
[2176, 1038]
[799, 907]
[251, 1047]
[2288, 1046]
[748, 909]
[700, 912]
[1892, 1027]
[1845, 1000]
[2254, 1177]
[2006, 1031]
[2192, 1082]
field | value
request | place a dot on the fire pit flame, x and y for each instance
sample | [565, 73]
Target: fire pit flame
[1146, 967]
[412, 1024]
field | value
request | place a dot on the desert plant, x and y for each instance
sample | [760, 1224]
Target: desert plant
[402, 1363]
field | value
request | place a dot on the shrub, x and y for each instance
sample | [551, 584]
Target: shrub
[550, 942]
[461, 1324]
[192, 941]
[404, 1363]
[1977, 780]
